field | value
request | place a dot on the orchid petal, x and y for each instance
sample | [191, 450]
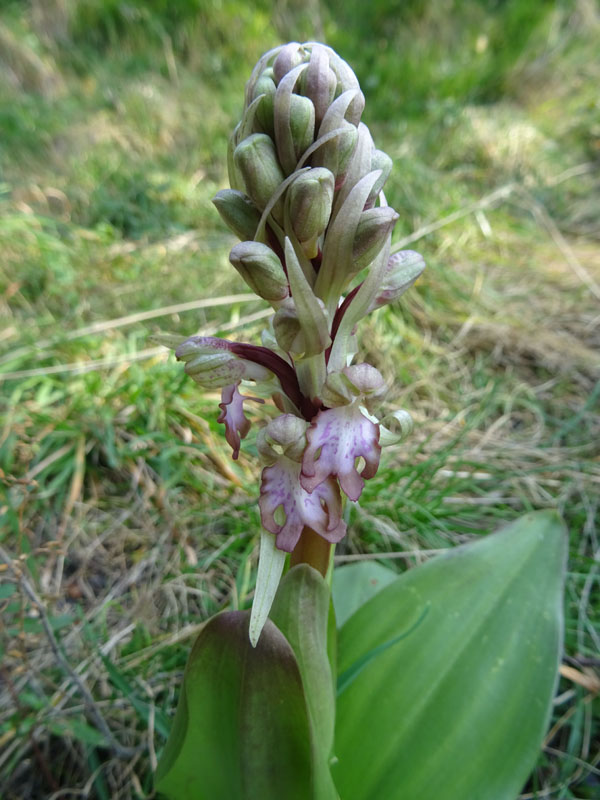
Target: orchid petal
[232, 415]
[320, 510]
[341, 435]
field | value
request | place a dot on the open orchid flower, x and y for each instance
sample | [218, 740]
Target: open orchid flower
[306, 201]
[319, 509]
[337, 438]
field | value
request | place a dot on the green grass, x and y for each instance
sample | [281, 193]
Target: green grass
[119, 502]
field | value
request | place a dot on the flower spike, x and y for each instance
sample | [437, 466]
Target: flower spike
[306, 199]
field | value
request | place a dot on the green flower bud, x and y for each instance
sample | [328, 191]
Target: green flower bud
[335, 155]
[379, 160]
[373, 229]
[238, 212]
[262, 270]
[256, 160]
[401, 272]
[302, 123]
[310, 199]
[264, 114]
[288, 329]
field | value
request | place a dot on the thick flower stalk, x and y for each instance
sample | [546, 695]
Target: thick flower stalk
[306, 200]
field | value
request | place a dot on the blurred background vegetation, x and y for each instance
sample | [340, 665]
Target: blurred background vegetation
[123, 523]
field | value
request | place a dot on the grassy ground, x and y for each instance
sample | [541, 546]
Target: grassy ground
[120, 509]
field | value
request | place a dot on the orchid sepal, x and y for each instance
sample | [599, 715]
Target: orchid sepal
[212, 363]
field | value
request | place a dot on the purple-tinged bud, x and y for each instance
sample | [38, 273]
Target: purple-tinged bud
[401, 272]
[336, 154]
[310, 199]
[379, 160]
[356, 381]
[302, 123]
[345, 75]
[262, 270]
[374, 227]
[319, 81]
[256, 160]
[284, 435]
[238, 212]
[212, 364]
[288, 57]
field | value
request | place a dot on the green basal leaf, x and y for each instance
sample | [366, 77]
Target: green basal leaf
[356, 583]
[457, 709]
[241, 730]
[301, 610]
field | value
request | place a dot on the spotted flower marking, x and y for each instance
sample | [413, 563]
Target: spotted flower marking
[336, 438]
[320, 510]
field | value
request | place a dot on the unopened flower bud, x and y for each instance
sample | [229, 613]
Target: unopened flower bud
[310, 198]
[356, 381]
[335, 154]
[284, 435]
[302, 123]
[379, 160]
[265, 85]
[256, 160]
[288, 329]
[373, 229]
[212, 364]
[262, 270]
[238, 212]
[288, 57]
[319, 81]
[401, 272]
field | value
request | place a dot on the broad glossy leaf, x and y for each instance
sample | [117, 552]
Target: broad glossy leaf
[354, 584]
[455, 709]
[241, 730]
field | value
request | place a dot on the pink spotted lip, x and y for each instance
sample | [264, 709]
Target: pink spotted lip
[320, 510]
[336, 438]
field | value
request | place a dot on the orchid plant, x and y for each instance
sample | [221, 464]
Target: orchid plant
[422, 692]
